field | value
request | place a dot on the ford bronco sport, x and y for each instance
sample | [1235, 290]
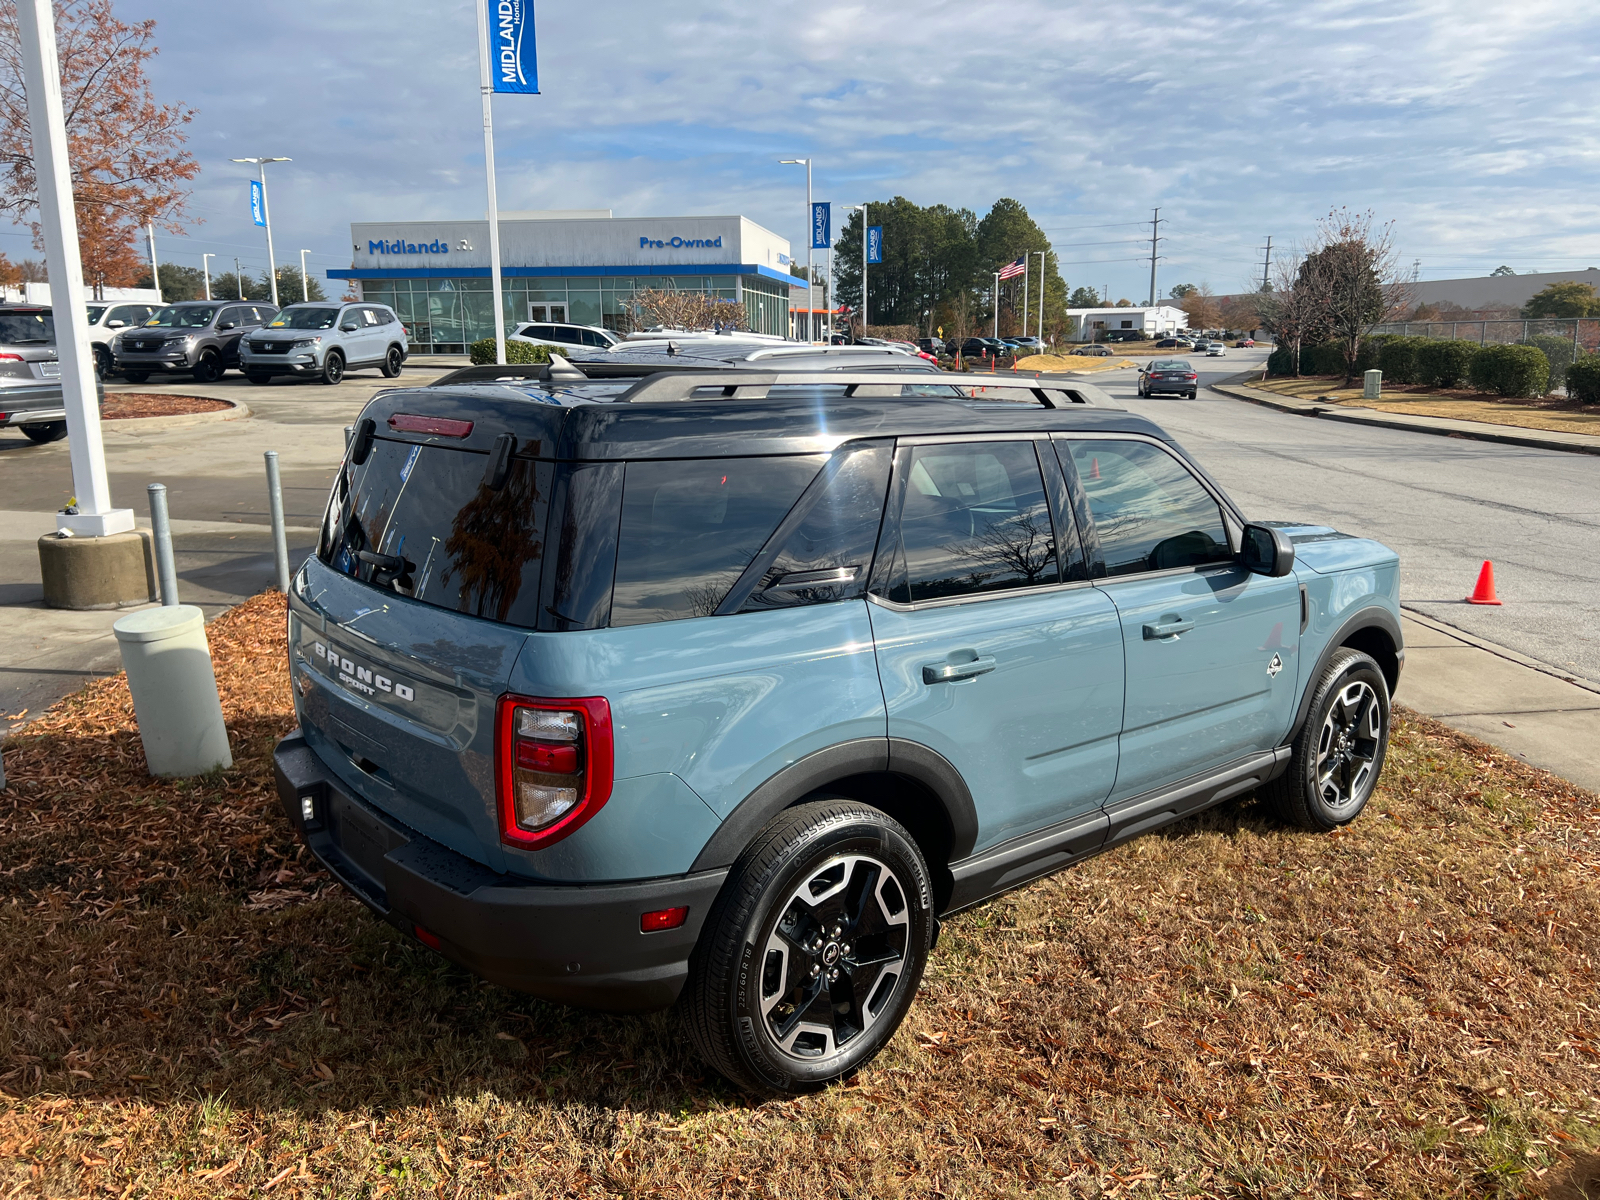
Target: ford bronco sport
[721, 687]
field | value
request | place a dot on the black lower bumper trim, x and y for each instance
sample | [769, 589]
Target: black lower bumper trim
[575, 944]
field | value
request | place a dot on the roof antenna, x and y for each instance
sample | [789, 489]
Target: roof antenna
[672, 348]
[562, 370]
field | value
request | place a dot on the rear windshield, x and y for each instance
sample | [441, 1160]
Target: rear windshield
[22, 329]
[432, 528]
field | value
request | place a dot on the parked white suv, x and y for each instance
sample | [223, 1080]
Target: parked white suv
[565, 337]
[322, 340]
[108, 318]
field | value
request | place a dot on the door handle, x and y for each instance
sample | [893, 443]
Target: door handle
[950, 672]
[1166, 629]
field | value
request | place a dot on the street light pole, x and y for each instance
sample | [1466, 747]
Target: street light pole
[205, 266]
[58, 223]
[1040, 253]
[155, 272]
[238, 279]
[863, 209]
[994, 303]
[486, 86]
[811, 286]
[305, 288]
[266, 217]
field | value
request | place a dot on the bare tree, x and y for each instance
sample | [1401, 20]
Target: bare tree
[685, 310]
[1202, 307]
[1296, 310]
[1360, 269]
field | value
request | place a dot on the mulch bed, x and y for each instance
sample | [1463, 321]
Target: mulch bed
[121, 406]
[1408, 1008]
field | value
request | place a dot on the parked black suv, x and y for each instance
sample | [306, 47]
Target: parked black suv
[198, 337]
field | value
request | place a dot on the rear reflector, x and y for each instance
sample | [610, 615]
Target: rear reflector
[430, 940]
[664, 918]
[443, 426]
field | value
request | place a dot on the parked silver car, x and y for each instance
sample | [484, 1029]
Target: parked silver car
[323, 340]
[198, 337]
[30, 375]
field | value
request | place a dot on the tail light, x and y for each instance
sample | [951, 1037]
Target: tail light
[10, 358]
[553, 769]
[1191, 377]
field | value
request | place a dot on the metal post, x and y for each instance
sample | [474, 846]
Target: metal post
[238, 277]
[161, 532]
[349, 432]
[863, 270]
[1483, 332]
[280, 540]
[811, 283]
[266, 215]
[994, 303]
[1027, 261]
[305, 286]
[205, 265]
[487, 88]
[58, 225]
[155, 271]
[1041, 254]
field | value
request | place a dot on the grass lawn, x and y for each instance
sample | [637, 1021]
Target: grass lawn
[1072, 362]
[1551, 412]
[1223, 1009]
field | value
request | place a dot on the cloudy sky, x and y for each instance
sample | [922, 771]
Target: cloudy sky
[1468, 124]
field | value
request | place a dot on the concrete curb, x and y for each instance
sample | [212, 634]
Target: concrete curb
[1509, 435]
[238, 412]
[1499, 651]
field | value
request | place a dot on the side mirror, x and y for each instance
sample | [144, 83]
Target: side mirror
[118, 324]
[1266, 551]
[349, 327]
[228, 325]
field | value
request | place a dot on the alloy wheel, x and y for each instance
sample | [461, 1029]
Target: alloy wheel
[1348, 747]
[835, 958]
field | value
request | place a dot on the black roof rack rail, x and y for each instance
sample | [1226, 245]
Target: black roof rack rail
[1058, 391]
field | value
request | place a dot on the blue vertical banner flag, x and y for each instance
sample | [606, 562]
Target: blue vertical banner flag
[874, 243]
[258, 205]
[513, 57]
[821, 225]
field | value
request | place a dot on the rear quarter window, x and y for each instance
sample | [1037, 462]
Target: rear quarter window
[689, 528]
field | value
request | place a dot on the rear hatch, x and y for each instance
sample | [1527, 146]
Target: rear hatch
[406, 623]
[28, 347]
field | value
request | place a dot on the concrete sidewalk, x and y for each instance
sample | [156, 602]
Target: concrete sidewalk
[1502, 697]
[1483, 431]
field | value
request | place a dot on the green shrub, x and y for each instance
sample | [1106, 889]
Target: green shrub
[1368, 352]
[482, 351]
[1397, 359]
[1583, 379]
[1557, 350]
[1326, 359]
[1511, 371]
[1445, 362]
[1281, 361]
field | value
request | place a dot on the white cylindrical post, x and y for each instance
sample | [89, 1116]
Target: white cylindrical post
[174, 686]
[155, 270]
[863, 270]
[305, 285]
[487, 88]
[59, 226]
[266, 216]
[205, 266]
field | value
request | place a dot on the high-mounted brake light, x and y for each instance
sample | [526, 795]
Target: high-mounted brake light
[553, 769]
[443, 426]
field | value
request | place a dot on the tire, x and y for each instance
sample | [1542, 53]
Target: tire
[52, 431]
[1192, 395]
[788, 992]
[392, 363]
[332, 367]
[136, 376]
[104, 364]
[258, 377]
[209, 369]
[1339, 752]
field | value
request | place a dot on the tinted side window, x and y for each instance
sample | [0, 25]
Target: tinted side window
[1150, 512]
[369, 317]
[578, 590]
[974, 519]
[690, 528]
[828, 539]
[237, 315]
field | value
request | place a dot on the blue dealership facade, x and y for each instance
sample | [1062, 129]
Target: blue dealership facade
[580, 266]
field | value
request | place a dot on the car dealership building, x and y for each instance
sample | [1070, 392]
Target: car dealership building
[567, 265]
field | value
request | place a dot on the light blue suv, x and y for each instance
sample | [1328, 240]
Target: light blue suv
[323, 341]
[723, 686]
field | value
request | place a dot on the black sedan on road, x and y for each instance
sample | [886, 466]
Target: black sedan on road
[1172, 376]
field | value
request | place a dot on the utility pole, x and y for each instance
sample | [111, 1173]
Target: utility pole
[305, 287]
[205, 266]
[1266, 266]
[1155, 226]
[155, 273]
[238, 279]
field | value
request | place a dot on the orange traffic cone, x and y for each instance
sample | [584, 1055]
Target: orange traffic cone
[1484, 592]
[1094, 468]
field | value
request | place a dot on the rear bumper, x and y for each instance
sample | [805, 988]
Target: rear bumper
[35, 404]
[573, 944]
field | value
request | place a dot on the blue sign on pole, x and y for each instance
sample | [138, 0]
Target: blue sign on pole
[874, 243]
[821, 225]
[258, 204]
[513, 61]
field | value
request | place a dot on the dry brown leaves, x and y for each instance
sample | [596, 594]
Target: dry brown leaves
[121, 406]
[1224, 1009]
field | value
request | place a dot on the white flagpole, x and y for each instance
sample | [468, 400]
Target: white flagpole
[58, 222]
[487, 88]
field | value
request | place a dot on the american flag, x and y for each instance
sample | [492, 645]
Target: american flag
[1013, 269]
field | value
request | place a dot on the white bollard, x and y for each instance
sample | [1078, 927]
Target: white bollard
[174, 688]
